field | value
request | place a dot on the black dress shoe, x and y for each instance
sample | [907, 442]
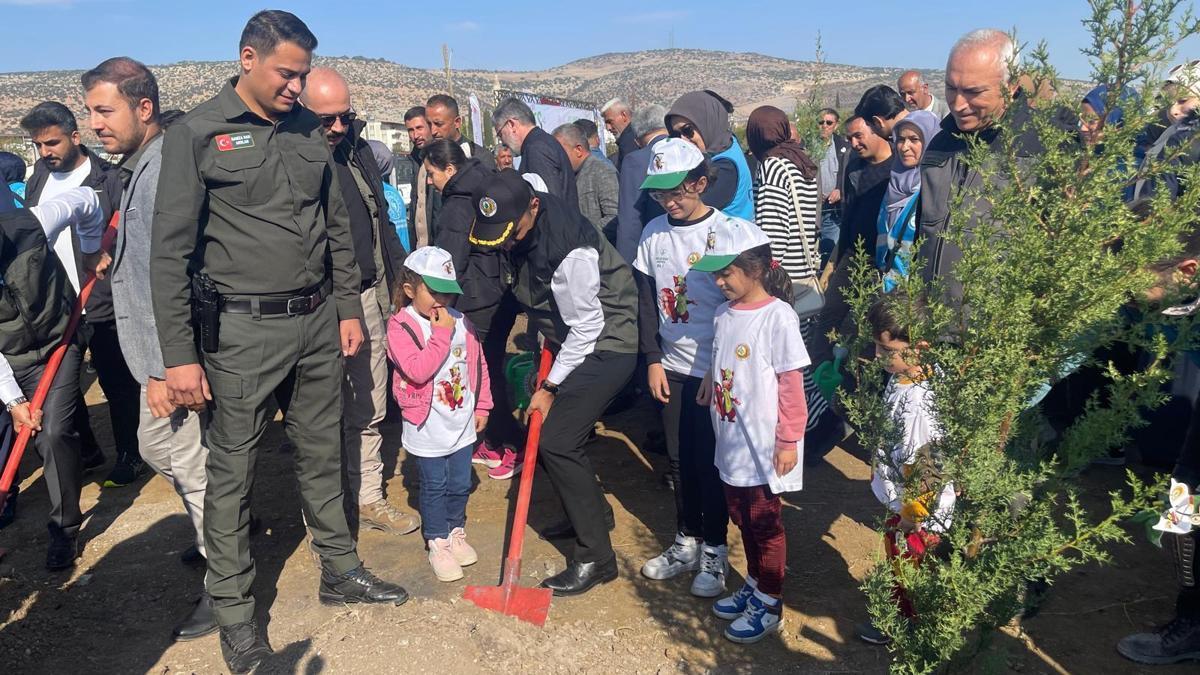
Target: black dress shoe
[565, 530]
[192, 556]
[242, 647]
[93, 459]
[200, 622]
[63, 549]
[579, 577]
[358, 585]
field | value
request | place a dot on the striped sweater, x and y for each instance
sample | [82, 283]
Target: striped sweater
[775, 213]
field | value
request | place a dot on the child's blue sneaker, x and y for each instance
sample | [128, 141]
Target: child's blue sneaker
[732, 607]
[758, 621]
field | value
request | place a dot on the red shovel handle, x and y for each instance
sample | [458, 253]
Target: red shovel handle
[512, 564]
[47, 379]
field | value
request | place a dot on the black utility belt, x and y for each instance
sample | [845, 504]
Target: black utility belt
[299, 305]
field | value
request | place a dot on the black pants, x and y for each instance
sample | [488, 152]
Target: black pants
[58, 441]
[121, 390]
[700, 509]
[1187, 546]
[581, 399]
[492, 327]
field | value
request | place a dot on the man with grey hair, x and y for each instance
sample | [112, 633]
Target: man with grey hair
[978, 80]
[595, 179]
[517, 128]
[915, 91]
[635, 207]
[618, 118]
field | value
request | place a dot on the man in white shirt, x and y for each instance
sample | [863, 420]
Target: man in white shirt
[915, 92]
[39, 308]
[65, 163]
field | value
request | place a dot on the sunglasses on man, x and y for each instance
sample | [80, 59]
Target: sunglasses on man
[826, 123]
[347, 118]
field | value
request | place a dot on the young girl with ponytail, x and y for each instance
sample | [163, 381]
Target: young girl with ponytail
[756, 393]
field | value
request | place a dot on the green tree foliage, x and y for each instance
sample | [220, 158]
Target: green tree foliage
[1045, 282]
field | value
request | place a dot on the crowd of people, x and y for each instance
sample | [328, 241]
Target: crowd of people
[682, 269]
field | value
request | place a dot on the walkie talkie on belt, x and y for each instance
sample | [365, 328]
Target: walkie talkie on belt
[206, 312]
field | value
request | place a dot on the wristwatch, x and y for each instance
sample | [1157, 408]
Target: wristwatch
[15, 402]
[550, 387]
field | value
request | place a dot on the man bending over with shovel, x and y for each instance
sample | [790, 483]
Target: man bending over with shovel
[36, 299]
[579, 294]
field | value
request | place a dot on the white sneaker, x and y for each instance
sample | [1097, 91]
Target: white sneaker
[682, 556]
[710, 580]
[463, 552]
[445, 567]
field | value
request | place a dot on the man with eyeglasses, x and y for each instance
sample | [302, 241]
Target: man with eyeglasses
[517, 128]
[379, 254]
[831, 173]
[256, 295]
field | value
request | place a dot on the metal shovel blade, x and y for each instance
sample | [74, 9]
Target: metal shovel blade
[527, 604]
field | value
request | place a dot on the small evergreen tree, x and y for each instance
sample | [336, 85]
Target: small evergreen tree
[1044, 283]
[808, 109]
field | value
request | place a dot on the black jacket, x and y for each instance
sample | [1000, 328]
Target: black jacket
[433, 202]
[541, 154]
[946, 174]
[626, 144]
[481, 273]
[105, 179]
[392, 250]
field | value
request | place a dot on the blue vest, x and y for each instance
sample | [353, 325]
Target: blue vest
[742, 205]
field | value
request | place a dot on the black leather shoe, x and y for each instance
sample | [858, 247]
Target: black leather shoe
[579, 577]
[358, 585]
[242, 647]
[200, 622]
[192, 556]
[565, 530]
[63, 549]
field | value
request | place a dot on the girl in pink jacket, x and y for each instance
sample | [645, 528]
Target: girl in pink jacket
[441, 384]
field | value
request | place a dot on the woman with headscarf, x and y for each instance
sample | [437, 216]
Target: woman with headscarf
[702, 117]
[786, 208]
[897, 223]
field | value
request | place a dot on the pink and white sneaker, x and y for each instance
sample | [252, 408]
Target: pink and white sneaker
[486, 455]
[510, 465]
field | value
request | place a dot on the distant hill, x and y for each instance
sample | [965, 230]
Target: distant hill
[384, 90]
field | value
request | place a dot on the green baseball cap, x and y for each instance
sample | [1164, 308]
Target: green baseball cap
[436, 268]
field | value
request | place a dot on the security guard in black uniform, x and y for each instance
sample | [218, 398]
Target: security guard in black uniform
[252, 260]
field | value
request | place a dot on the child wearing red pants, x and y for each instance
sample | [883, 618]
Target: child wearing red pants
[905, 476]
[756, 390]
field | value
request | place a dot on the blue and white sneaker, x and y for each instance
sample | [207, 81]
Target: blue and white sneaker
[732, 607]
[757, 622]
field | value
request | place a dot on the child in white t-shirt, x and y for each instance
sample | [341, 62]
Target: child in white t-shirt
[758, 414]
[676, 307]
[906, 476]
[441, 384]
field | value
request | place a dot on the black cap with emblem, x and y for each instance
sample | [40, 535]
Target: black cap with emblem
[499, 202]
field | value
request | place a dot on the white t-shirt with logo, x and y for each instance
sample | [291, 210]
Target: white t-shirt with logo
[450, 425]
[686, 300]
[911, 406]
[56, 184]
[752, 347]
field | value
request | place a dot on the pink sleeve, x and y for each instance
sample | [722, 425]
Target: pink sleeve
[415, 364]
[793, 409]
[483, 397]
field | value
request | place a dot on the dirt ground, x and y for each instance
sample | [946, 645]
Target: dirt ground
[113, 612]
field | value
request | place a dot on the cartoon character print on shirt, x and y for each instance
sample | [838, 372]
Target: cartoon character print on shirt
[675, 300]
[723, 397]
[452, 392]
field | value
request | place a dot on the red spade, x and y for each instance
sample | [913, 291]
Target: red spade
[526, 604]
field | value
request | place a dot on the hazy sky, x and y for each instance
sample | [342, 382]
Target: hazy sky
[76, 34]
